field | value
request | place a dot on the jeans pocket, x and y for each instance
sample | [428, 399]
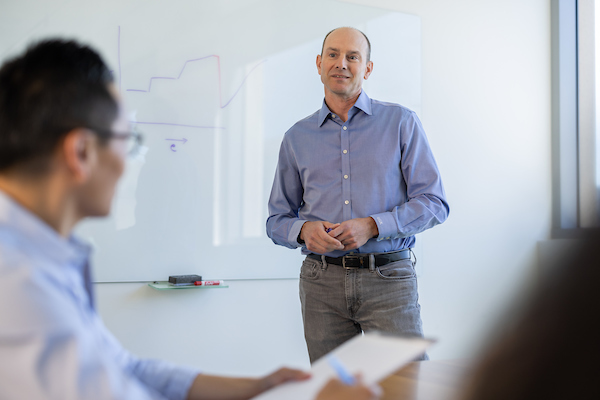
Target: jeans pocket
[310, 269]
[397, 270]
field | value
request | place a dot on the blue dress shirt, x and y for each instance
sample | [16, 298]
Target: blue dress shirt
[53, 344]
[378, 163]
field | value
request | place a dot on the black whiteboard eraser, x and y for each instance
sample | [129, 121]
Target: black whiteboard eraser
[176, 279]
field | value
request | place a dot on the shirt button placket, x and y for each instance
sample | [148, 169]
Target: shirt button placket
[346, 189]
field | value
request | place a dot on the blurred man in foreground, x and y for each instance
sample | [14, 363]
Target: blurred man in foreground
[63, 145]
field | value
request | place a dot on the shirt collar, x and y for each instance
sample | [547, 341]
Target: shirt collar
[362, 103]
[40, 236]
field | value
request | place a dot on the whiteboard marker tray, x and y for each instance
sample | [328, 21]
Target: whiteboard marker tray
[164, 285]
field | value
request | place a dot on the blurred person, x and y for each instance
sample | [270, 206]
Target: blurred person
[63, 145]
[550, 350]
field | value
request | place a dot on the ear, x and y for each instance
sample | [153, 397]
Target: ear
[368, 70]
[319, 64]
[79, 152]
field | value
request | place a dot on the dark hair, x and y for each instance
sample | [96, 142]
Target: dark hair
[550, 351]
[365, 36]
[55, 86]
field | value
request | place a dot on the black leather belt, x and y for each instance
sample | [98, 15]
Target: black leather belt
[362, 260]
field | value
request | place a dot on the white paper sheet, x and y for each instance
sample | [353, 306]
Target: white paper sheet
[374, 355]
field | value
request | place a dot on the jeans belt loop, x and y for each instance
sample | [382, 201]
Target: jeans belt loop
[323, 262]
[372, 262]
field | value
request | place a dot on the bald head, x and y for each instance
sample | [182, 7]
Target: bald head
[368, 58]
[343, 64]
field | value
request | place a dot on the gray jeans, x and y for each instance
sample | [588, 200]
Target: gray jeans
[339, 303]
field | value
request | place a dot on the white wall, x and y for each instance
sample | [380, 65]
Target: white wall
[251, 327]
[486, 109]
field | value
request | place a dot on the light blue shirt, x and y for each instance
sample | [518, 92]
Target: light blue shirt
[53, 344]
[378, 163]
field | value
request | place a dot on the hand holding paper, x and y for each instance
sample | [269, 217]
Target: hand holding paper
[337, 390]
[374, 355]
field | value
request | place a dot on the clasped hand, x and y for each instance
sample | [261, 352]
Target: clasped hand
[323, 237]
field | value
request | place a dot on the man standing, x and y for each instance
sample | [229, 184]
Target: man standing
[355, 182]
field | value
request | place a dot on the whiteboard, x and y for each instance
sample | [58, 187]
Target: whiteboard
[213, 86]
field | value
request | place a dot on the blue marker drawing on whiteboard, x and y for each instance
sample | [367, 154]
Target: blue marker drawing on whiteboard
[342, 372]
[184, 140]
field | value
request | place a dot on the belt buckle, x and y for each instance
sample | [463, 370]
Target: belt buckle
[351, 256]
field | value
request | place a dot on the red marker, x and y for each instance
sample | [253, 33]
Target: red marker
[209, 283]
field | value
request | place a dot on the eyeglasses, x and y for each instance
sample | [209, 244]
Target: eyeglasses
[133, 139]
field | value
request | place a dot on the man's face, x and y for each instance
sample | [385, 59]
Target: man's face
[97, 193]
[343, 65]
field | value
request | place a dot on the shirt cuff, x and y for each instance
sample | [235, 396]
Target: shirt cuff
[295, 231]
[386, 224]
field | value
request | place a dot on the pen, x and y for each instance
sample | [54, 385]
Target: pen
[342, 372]
[209, 283]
